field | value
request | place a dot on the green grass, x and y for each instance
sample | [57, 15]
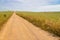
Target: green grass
[4, 15]
[49, 21]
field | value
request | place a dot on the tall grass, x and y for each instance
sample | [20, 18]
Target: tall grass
[49, 21]
[4, 15]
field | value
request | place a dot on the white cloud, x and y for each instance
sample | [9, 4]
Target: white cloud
[50, 8]
[18, 0]
[36, 8]
[33, 2]
[37, 2]
[43, 8]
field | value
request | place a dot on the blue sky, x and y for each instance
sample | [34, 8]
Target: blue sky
[30, 5]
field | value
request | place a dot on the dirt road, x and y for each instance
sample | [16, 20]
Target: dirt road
[18, 28]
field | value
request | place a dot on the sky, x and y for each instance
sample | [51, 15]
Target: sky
[30, 5]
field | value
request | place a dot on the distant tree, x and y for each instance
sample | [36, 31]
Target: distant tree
[4, 15]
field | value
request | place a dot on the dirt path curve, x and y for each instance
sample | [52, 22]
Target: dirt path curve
[18, 28]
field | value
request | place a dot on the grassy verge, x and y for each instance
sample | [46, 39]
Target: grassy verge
[4, 15]
[49, 21]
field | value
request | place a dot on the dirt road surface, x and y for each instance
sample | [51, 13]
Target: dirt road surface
[18, 28]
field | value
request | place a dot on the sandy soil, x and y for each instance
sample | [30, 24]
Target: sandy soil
[18, 28]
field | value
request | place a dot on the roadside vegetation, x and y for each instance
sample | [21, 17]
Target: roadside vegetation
[4, 15]
[48, 21]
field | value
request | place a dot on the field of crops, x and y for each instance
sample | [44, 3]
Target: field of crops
[4, 15]
[49, 21]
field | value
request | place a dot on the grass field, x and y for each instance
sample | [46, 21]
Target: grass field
[49, 21]
[4, 15]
